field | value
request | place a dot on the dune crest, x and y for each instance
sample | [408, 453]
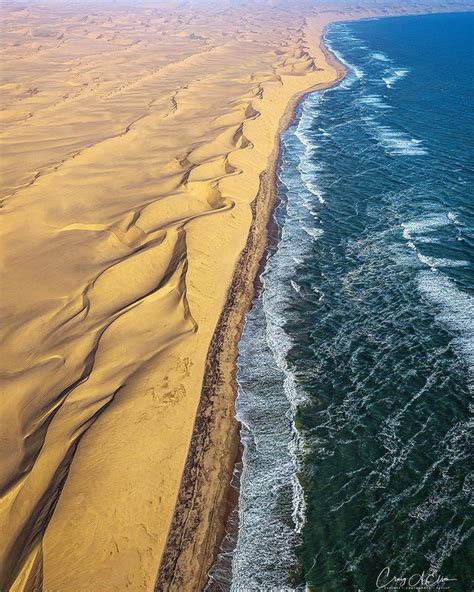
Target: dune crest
[138, 151]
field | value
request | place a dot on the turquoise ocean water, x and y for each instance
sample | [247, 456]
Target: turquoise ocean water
[356, 364]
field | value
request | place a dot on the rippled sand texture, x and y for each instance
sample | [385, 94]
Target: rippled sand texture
[132, 147]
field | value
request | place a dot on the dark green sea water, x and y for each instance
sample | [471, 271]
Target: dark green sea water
[356, 366]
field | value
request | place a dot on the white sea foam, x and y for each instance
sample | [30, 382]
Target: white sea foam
[303, 136]
[299, 502]
[429, 223]
[309, 166]
[267, 469]
[311, 186]
[456, 309]
[309, 205]
[318, 293]
[374, 101]
[314, 233]
[280, 344]
[379, 56]
[393, 76]
[275, 300]
[455, 219]
[396, 142]
[437, 262]
[272, 446]
[422, 230]
[296, 287]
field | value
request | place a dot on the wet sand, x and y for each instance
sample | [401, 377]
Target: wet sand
[139, 147]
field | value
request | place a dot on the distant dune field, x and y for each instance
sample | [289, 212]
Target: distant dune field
[135, 140]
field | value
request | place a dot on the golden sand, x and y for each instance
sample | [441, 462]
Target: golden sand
[135, 141]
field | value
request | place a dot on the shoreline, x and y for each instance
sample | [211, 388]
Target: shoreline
[218, 399]
[246, 558]
[133, 247]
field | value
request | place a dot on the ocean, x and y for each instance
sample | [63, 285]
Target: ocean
[356, 364]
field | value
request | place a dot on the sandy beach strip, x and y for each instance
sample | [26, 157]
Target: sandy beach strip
[139, 148]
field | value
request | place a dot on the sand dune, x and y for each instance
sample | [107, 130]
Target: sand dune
[135, 141]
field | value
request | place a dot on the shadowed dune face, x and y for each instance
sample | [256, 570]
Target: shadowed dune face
[133, 140]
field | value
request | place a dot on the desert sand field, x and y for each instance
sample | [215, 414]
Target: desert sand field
[138, 150]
